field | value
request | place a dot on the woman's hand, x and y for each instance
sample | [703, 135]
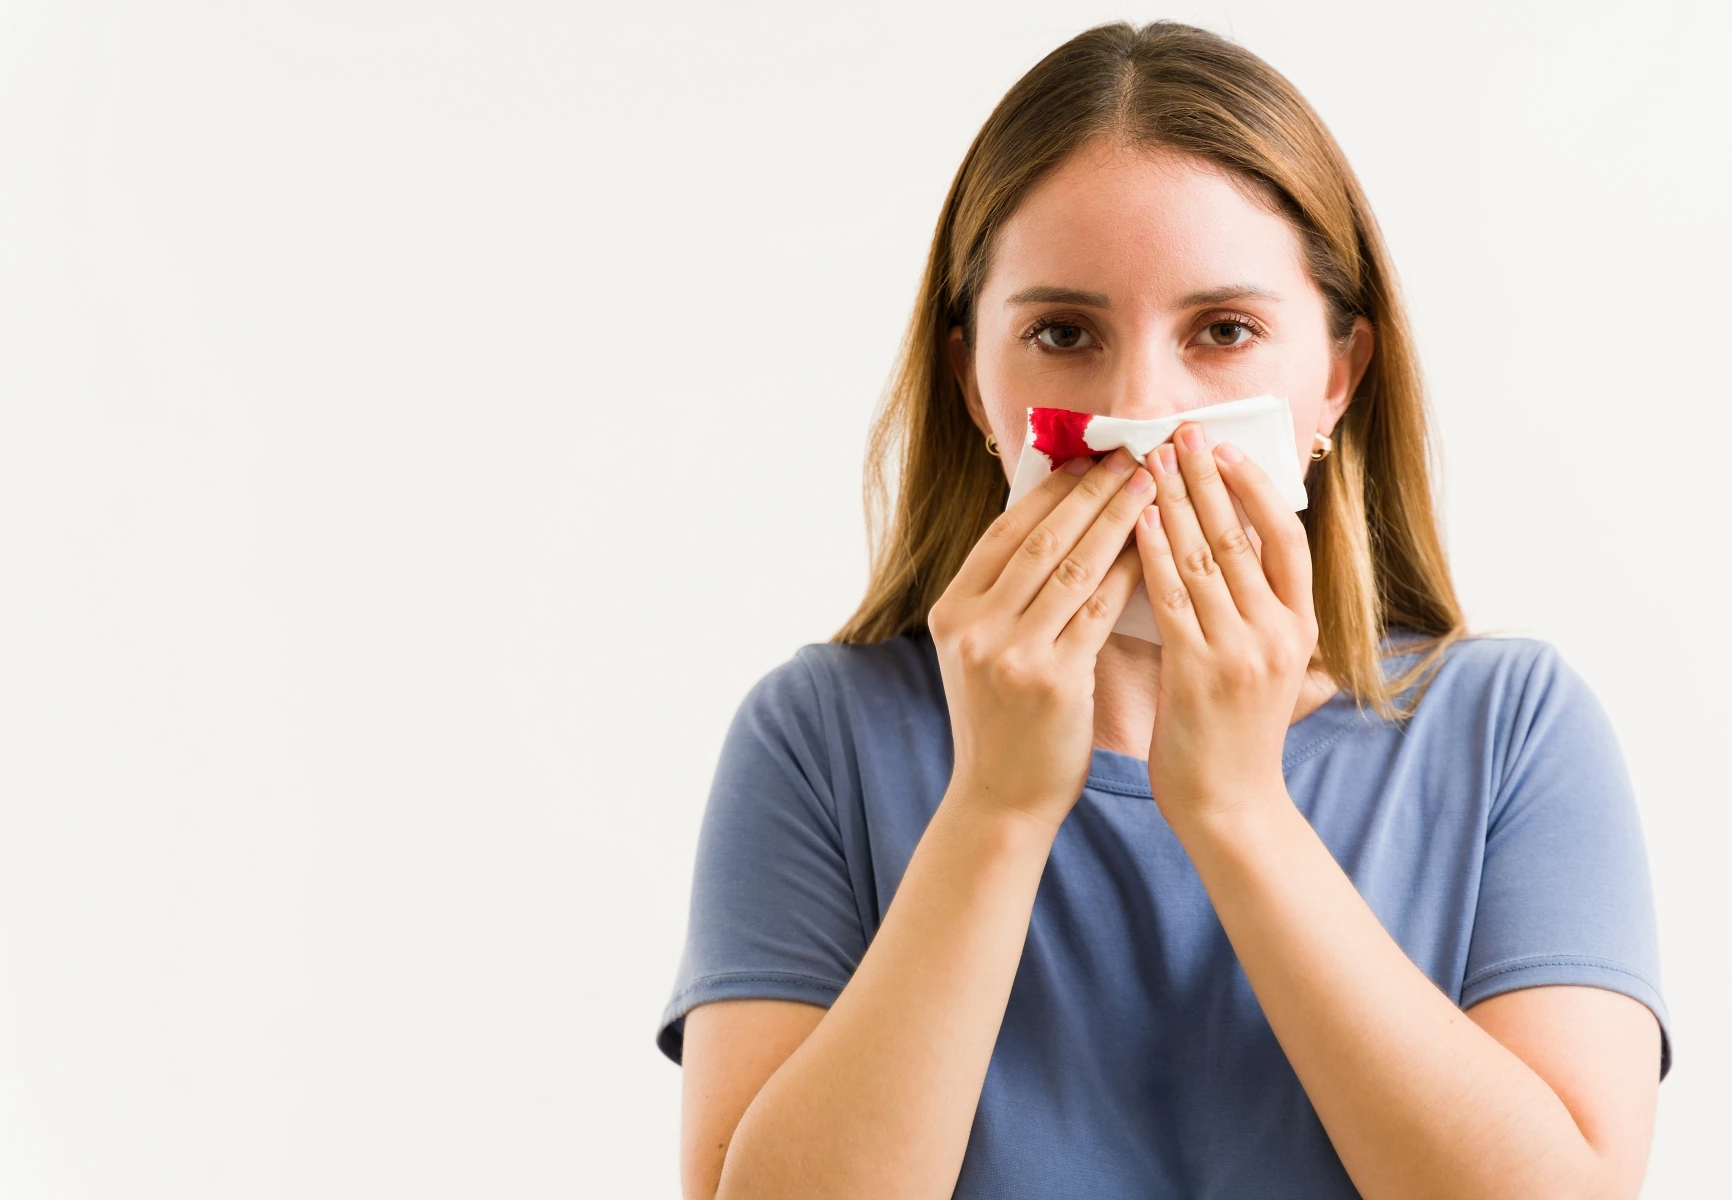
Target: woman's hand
[877, 1098]
[1018, 629]
[1237, 633]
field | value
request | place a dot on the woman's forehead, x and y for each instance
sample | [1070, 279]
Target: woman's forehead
[1154, 226]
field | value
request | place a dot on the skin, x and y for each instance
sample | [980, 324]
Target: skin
[1542, 1092]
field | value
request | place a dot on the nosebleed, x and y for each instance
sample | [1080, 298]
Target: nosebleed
[1261, 426]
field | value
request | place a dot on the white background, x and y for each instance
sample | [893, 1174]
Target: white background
[363, 663]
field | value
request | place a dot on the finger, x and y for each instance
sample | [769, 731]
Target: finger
[1175, 616]
[1227, 539]
[1073, 581]
[1052, 541]
[985, 563]
[1245, 523]
[1086, 632]
[1286, 550]
[1212, 601]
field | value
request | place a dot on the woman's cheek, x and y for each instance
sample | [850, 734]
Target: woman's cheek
[1254, 372]
[1008, 395]
[1036, 384]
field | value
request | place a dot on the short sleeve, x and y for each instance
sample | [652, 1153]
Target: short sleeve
[1565, 895]
[773, 909]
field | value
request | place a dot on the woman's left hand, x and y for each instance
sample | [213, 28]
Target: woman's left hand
[1237, 632]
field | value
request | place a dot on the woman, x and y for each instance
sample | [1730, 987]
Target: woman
[1317, 897]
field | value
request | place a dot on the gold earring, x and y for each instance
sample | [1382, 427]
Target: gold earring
[1320, 452]
[992, 445]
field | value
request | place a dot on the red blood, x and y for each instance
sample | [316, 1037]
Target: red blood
[1058, 434]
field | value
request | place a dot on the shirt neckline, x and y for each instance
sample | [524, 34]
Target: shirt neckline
[1128, 775]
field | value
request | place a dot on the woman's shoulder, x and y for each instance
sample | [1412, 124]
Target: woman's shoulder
[905, 665]
[1479, 669]
[1519, 700]
[843, 685]
[860, 725]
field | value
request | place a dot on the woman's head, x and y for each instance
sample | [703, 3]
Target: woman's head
[1153, 220]
[1138, 281]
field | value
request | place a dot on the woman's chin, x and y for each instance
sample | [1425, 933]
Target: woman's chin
[1133, 649]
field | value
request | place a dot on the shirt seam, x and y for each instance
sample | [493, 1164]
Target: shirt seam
[1514, 749]
[1317, 747]
[727, 977]
[1120, 789]
[1308, 751]
[1554, 960]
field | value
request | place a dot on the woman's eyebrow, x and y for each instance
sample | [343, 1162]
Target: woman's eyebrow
[1233, 291]
[1047, 294]
[1057, 295]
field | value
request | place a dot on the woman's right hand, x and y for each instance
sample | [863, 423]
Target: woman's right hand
[1018, 629]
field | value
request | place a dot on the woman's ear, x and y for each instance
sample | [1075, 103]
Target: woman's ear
[1346, 369]
[962, 366]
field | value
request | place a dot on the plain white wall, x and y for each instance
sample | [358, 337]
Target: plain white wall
[364, 652]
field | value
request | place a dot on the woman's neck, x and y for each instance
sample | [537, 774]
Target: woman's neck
[1127, 677]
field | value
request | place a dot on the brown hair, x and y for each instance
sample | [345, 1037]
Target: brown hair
[1378, 562]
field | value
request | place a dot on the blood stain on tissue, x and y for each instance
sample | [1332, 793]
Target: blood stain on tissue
[1059, 434]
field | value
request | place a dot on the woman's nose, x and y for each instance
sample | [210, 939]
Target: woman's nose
[1152, 384]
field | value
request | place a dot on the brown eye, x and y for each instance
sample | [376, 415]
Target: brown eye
[1226, 333]
[1061, 336]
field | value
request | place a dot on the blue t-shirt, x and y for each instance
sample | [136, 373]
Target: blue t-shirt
[1496, 838]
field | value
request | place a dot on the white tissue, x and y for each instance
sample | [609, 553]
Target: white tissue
[1261, 426]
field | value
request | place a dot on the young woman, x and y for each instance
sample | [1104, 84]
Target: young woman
[1318, 897]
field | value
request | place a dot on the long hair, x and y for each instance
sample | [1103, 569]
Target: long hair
[1378, 563]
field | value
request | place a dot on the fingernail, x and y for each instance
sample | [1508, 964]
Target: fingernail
[1120, 461]
[1079, 466]
[1139, 483]
[1193, 437]
[1227, 452]
[1151, 516]
[1168, 459]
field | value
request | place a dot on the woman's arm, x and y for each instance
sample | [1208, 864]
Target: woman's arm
[1418, 1099]
[878, 1099]
[731, 1048]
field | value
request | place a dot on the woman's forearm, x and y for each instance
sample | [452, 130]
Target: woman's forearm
[879, 1098]
[1417, 1099]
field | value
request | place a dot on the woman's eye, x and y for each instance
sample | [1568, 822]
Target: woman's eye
[1061, 336]
[1226, 333]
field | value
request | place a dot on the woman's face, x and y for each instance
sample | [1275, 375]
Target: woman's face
[1138, 283]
